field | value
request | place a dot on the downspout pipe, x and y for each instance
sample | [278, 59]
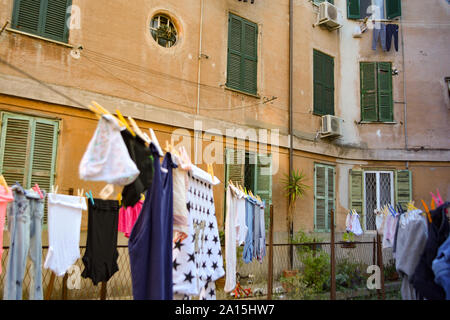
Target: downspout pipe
[404, 85]
[291, 128]
[199, 59]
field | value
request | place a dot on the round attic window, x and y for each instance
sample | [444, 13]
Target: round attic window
[163, 30]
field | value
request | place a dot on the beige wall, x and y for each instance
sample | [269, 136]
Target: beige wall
[124, 68]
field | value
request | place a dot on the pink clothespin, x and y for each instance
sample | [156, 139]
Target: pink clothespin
[439, 197]
[38, 190]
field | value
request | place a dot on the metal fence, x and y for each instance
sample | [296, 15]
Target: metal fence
[254, 275]
[118, 287]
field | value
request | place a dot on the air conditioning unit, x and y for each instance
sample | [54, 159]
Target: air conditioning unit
[329, 16]
[331, 126]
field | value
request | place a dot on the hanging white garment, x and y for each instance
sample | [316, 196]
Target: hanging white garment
[356, 226]
[64, 221]
[106, 157]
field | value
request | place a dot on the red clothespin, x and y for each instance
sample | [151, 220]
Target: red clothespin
[38, 190]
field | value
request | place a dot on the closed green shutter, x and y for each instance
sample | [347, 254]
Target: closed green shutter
[368, 78]
[320, 1]
[356, 199]
[242, 54]
[28, 151]
[403, 185]
[385, 99]
[263, 185]
[353, 9]
[323, 78]
[324, 196]
[46, 18]
[234, 166]
[393, 8]
[14, 148]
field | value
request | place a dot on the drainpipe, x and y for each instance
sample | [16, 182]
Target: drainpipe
[291, 133]
[404, 84]
[198, 79]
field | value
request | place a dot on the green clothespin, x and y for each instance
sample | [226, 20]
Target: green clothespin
[89, 196]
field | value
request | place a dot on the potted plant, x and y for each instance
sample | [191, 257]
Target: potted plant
[295, 189]
[349, 240]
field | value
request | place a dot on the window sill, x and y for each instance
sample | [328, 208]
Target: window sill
[243, 92]
[378, 122]
[39, 37]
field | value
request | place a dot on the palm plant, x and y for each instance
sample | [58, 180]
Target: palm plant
[295, 189]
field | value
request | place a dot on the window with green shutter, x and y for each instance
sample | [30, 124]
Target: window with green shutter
[45, 18]
[323, 78]
[28, 151]
[320, 1]
[359, 9]
[376, 92]
[242, 58]
[403, 187]
[324, 196]
[252, 171]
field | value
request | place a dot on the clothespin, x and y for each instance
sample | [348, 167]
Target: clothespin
[119, 198]
[426, 211]
[38, 190]
[156, 142]
[124, 122]
[97, 112]
[138, 131]
[432, 205]
[54, 189]
[245, 190]
[439, 197]
[89, 196]
[80, 192]
[142, 196]
[211, 171]
[3, 182]
[106, 191]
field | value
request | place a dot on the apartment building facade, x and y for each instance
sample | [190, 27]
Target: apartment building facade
[215, 76]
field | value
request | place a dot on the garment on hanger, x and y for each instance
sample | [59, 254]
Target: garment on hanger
[180, 187]
[352, 223]
[25, 215]
[441, 267]
[100, 258]
[379, 33]
[261, 253]
[411, 239]
[208, 253]
[150, 243]
[64, 221]
[6, 196]
[142, 156]
[128, 217]
[379, 221]
[391, 31]
[438, 232]
[389, 230]
[231, 235]
[247, 254]
[106, 157]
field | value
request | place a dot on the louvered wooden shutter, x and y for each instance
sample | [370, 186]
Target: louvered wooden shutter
[323, 78]
[249, 57]
[385, 99]
[353, 10]
[330, 195]
[55, 22]
[14, 148]
[263, 186]
[235, 166]
[403, 186]
[28, 151]
[242, 54]
[368, 78]
[47, 18]
[320, 1]
[393, 8]
[319, 198]
[356, 195]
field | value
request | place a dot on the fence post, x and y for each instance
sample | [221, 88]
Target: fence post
[374, 251]
[381, 265]
[103, 291]
[64, 287]
[270, 271]
[314, 247]
[48, 294]
[333, 262]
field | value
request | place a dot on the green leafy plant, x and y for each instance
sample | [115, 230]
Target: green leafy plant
[302, 237]
[298, 288]
[390, 271]
[350, 274]
[348, 236]
[316, 269]
[295, 189]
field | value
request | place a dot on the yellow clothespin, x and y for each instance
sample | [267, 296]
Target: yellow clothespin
[138, 131]
[104, 111]
[119, 198]
[124, 122]
[3, 181]
[80, 193]
[98, 114]
[211, 171]
[54, 189]
[143, 197]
